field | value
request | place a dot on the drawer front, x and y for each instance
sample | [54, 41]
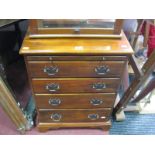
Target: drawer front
[76, 58]
[58, 116]
[73, 85]
[75, 101]
[76, 68]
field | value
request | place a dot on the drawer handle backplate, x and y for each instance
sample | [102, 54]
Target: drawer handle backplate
[54, 101]
[56, 117]
[102, 70]
[99, 86]
[51, 70]
[93, 116]
[52, 87]
[96, 102]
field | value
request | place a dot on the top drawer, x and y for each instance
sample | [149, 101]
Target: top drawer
[76, 58]
[46, 69]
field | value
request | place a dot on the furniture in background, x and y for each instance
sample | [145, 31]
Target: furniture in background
[147, 29]
[143, 95]
[9, 22]
[12, 108]
[11, 39]
[21, 117]
[141, 82]
[75, 77]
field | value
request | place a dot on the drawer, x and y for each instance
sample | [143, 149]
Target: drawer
[76, 58]
[75, 85]
[58, 116]
[45, 69]
[75, 101]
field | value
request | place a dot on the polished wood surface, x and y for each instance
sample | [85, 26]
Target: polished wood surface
[71, 31]
[76, 46]
[76, 85]
[76, 58]
[75, 115]
[75, 101]
[76, 68]
[43, 127]
[33, 26]
[36, 30]
[118, 25]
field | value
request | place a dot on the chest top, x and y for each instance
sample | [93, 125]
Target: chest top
[76, 46]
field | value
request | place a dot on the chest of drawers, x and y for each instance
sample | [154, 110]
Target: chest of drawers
[75, 81]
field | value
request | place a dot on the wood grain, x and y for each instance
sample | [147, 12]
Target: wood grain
[76, 69]
[74, 115]
[75, 101]
[36, 28]
[75, 85]
[76, 46]
[76, 58]
[43, 127]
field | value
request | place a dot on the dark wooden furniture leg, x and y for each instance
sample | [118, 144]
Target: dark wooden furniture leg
[141, 77]
[145, 91]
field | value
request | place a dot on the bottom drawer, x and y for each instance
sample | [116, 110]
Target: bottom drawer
[99, 115]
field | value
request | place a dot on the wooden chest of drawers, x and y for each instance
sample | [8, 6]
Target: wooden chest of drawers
[75, 81]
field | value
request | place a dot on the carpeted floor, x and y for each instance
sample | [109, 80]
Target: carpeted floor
[134, 124]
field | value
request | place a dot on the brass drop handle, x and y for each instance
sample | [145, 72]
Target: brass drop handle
[51, 70]
[56, 117]
[54, 101]
[93, 116]
[99, 86]
[96, 102]
[102, 70]
[52, 87]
